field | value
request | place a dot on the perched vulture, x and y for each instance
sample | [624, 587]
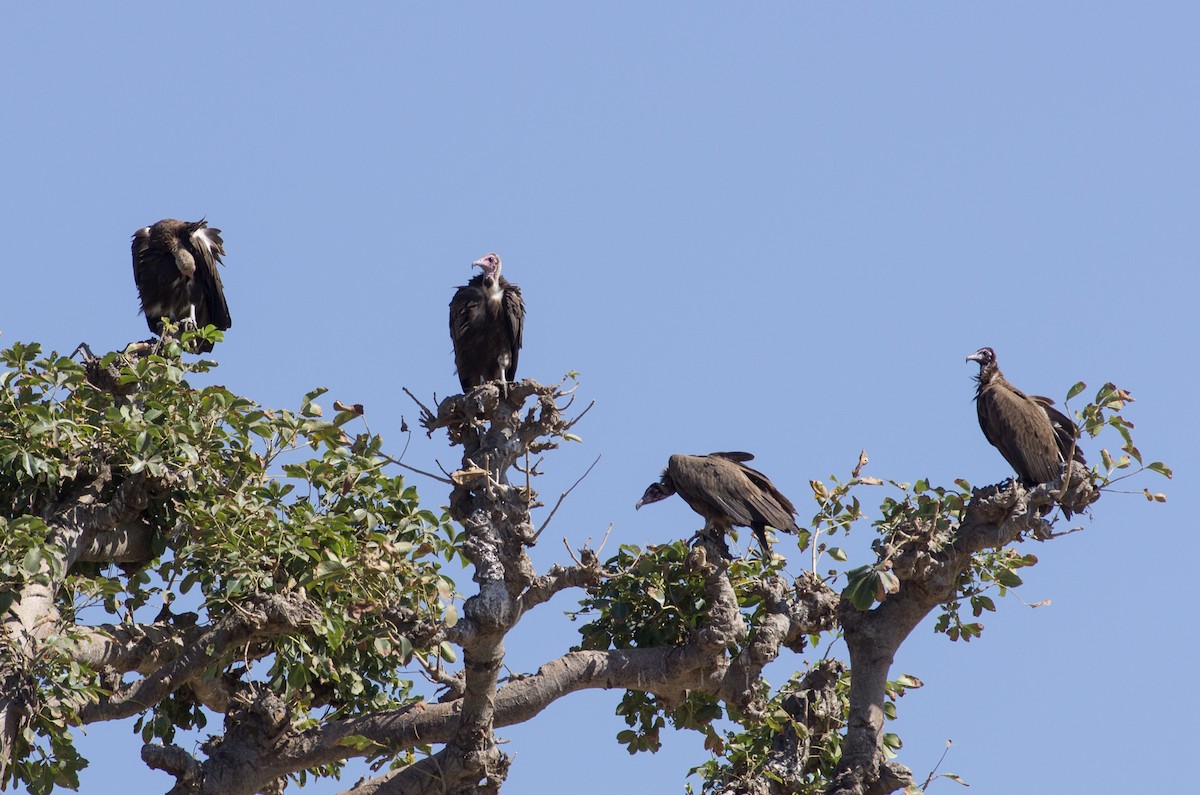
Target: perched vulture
[175, 267]
[487, 316]
[1035, 438]
[726, 492]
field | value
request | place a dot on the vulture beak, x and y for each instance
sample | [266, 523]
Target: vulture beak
[654, 493]
[978, 356]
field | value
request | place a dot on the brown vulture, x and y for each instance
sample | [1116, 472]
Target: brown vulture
[487, 317]
[726, 492]
[175, 267]
[1035, 438]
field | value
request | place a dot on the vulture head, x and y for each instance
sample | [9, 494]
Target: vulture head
[985, 356]
[659, 490]
[183, 258]
[490, 265]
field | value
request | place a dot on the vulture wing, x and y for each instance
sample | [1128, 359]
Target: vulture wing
[145, 269]
[514, 314]
[466, 311]
[1020, 429]
[208, 248]
[769, 503]
[1066, 433]
[734, 456]
[465, 302]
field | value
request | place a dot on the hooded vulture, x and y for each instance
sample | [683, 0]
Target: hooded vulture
[726, 492]
[1035, 438]
[487, 317]
[175, 267]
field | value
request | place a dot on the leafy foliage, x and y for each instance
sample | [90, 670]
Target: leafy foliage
[247, 502]
[656, 600]
[254, 501]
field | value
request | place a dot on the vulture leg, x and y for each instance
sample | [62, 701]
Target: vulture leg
[760, 532]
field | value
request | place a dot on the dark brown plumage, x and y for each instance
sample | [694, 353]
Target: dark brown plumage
[1034, 437]
[175, 268]
[726, 492]
[487, 320]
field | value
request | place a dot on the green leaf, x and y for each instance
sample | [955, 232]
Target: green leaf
[1160, 468]
[1075, 390]
[33, 560]
[838, 554]
[1008, 578]
[860, 590]
[447, 652]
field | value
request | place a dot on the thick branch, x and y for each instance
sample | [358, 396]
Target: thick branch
[259, 619]
[929, 572]
[128, 543]
[559, 578]
[808, 608]
[132, 647]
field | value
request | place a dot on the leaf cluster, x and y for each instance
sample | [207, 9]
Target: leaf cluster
[249, 501]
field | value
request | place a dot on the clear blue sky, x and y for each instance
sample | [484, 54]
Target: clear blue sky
[770, 227]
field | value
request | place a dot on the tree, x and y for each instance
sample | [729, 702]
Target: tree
[265, 568]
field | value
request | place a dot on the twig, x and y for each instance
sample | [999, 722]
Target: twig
[571, 552]
[391, 460]
[604, 540]
[563, 496]
[419, 403]
[933, 773]
[571, 424]
[1050, 535]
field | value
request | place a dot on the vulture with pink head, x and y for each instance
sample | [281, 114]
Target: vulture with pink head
[487, 318]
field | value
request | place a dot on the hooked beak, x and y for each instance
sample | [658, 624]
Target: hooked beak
[637, 506]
